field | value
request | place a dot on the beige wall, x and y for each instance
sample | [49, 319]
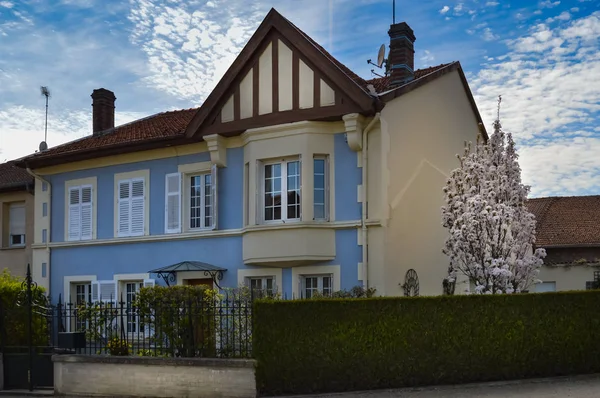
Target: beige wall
[16, 259]
[421, 133]
[567, 278]
[81, 375]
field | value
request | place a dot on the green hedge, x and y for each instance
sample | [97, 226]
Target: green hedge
[310, 346]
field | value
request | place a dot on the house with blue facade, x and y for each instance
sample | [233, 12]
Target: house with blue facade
[295, 175]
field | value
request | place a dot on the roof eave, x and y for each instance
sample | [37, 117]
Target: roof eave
[569, 245]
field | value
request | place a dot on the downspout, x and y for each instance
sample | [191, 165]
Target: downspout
[38, 177]
[363, 220]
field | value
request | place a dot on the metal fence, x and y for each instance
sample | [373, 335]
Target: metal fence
[195, 327]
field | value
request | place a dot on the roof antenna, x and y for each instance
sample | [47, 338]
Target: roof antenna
[393, 12]
[46, 93]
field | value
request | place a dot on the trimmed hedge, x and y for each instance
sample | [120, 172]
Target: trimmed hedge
[315, 346]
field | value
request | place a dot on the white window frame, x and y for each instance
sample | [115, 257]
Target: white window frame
[284, 197]
[87, 286]
[320, 279]
[17, 205]
[188, 199]
[326, 182]
[80, 207]
[263, 282]
[130, 199]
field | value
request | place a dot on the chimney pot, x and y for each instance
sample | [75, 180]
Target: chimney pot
[401, 58]
[103, 110]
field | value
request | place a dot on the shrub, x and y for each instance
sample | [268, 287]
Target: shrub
[310, 346]
[14, 310]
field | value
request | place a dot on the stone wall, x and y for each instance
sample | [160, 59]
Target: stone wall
[153, 377]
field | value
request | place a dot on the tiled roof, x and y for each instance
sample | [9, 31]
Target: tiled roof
[12, 176]
[161, 126]
[569, 220]
[382, 84]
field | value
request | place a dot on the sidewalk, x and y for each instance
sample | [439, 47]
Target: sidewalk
[587, 386]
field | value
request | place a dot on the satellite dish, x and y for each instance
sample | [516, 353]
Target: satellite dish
[43, 146]
[381, 55]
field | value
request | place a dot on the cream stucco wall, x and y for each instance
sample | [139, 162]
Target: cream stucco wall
[16, 259]
[567, 278]
[421, 133]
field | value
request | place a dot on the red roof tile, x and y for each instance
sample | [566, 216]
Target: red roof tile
[570, 220]
[382, 84]
[161, 126]
[12, 176]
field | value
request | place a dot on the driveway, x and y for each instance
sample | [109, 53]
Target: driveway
[568, 387]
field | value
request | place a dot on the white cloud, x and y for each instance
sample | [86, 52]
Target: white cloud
[564, 16]
[6, 4]
[549, 4]
[575, 9]
[488, 35]
[444, 10]
[427, 58]
[549, 104]
[492, 4]
[459, 8]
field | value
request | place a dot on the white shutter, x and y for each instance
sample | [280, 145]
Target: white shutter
[326, 179]
[137, 207]
[149, 282]
[74, 232]
[124, 208]
[95, 292]
[107, 291]
[259, 193]
[17, 219]
[300, 182]
[213, 197]
[86, 212]
[173, 203]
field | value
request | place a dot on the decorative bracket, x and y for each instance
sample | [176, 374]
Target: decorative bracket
[354, 123]
[217, 148]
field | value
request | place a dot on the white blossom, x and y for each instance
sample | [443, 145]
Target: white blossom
[491, 232]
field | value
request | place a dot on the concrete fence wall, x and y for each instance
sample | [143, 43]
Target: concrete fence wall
[90, 375]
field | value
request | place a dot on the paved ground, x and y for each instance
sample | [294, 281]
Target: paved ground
[575, 387]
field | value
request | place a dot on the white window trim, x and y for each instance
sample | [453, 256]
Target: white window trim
[132, 175]
[182, 277]
[244, 274]
[320, 279]
[187, 198]
[283, 161]
[315, 270]
[327, 187]
[24, 235]
[89, 181]
[187, 171]
[77, 279]
[121, 279]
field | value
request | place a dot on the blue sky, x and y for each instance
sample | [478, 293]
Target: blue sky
[543, 57]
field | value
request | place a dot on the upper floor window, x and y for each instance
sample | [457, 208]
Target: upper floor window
[321, 188]
[16, 225]
[80, 213]
[131, 207]
[199, 201]
[281, 190]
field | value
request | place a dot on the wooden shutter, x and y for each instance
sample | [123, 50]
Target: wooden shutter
[213, 196]
[74, 232]
[172, 203]
[86, 212]
[124, 208]
[137, 207]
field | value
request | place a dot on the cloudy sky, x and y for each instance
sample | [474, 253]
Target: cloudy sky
[543, 57]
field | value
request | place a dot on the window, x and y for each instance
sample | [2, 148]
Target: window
[83, 295]
[80, 213]
[16, 225]
[260, 286]
[131, 207]
[131, 289]
[104, 291]
[321, 189]
[281, 188]
[312, 284]
[200, 201]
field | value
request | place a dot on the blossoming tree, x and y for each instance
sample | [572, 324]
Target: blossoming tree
[492, 233]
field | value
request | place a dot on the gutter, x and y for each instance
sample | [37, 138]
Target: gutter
[48, 235]
[364, 215]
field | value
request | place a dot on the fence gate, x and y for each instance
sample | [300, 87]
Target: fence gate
[26, 335]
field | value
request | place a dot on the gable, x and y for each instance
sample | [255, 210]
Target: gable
[279, 77]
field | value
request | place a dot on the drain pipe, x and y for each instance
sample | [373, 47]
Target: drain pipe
[363, 220]
[38, 177]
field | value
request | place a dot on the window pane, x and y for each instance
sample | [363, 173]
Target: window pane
[195, 202]
[319, 189]
[272, 202]
[207, 201]
[319, 212]
[319, 166]
[293, 190]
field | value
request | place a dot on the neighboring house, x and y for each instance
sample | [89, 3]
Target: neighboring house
[568, 228]
[295, 175]
[16, 200]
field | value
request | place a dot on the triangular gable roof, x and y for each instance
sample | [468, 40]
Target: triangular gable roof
[226, 112]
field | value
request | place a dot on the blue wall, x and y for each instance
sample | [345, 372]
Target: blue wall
[347, 177]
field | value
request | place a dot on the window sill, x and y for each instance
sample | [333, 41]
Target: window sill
[14, 247]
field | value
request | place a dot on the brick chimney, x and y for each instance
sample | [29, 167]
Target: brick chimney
[401, 58]
[103, 110]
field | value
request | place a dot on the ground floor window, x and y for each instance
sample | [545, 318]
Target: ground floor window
[314, 284]
[133, 322]
[81, 294]
[261, 286]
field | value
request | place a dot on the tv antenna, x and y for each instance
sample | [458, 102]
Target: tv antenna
[380, 60]
[46, 93]
[394, 12]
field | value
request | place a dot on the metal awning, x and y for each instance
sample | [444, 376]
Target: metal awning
[168, 273]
